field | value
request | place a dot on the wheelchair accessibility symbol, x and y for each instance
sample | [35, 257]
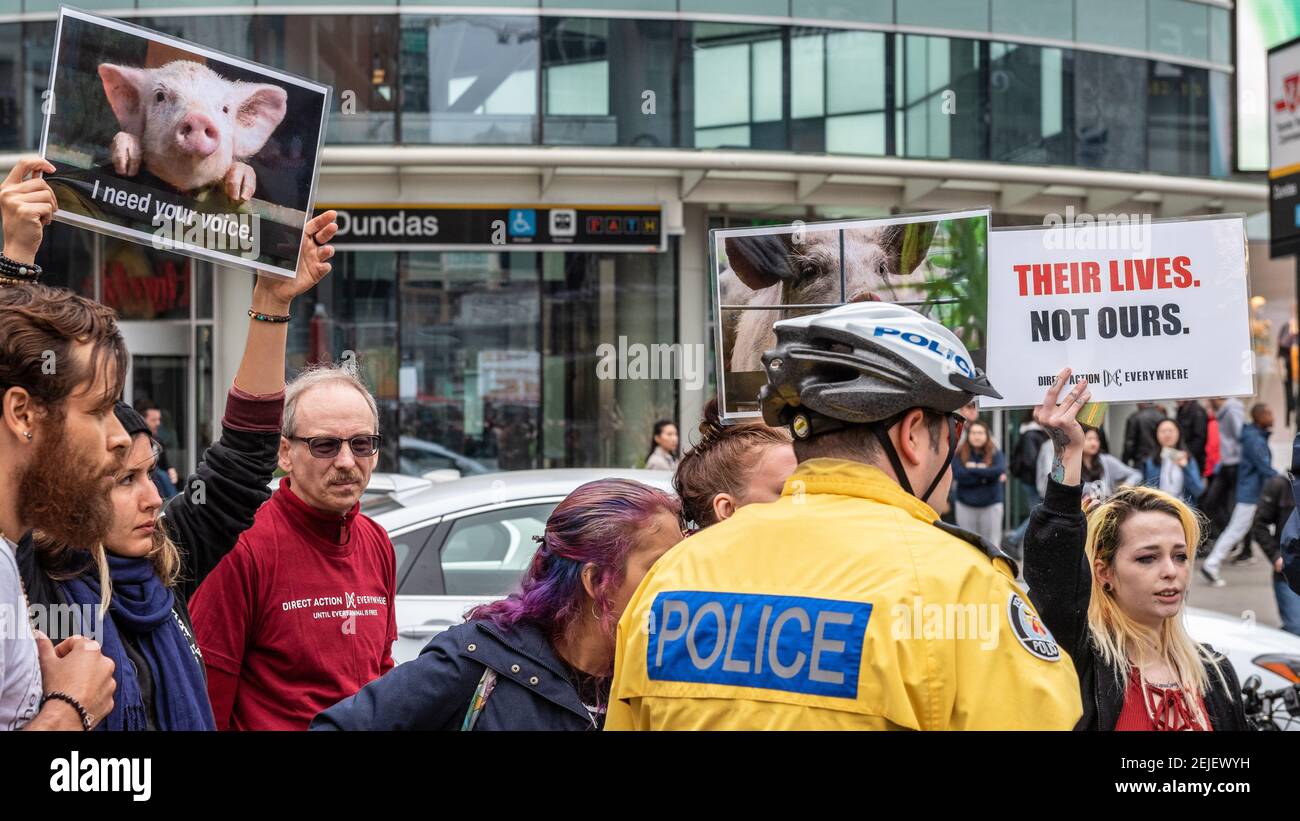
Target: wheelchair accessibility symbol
[523, 222]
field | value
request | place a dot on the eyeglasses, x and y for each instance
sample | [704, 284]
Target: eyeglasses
[327, 447]
[959, 425]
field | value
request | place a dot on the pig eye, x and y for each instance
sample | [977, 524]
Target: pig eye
[882, 267]
[159, 96]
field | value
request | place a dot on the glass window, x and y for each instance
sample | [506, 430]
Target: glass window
[405, 548]
[1095, 22]
[613, 5]
[356, 54]
[962, 15]
[38, 47]
[224, 32]
[1034, 18]
[862, 11]
[1178, 120]
[203, 388]
[856, 134]
[31, 6]
[470, 372]
[1179, 27]
[1026, 97]
[808, 75]
[855, 71]
[739, 90]
[1220, 35]
[942, 97]
[575, 78]
[1221, 128]
[469, 79]
[486, 554]
[11, 86]
[1110, 111]
[610, 305]
[774, 8]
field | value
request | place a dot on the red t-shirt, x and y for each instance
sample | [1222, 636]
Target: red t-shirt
[297, 617]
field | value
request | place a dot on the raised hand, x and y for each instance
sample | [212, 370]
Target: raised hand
[27, 204]
[1061, 424]
[273, 294]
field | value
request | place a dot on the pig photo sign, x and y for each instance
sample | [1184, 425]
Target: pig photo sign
[935, 263]
[1144, 309]
[174, 145]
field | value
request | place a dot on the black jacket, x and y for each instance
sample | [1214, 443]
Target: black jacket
[1140, 436]
[1275, 506]
[534, 690]
[1060, 586]
[216, 505]
[1193, 423]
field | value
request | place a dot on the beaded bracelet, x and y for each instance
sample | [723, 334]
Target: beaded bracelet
[86, 718]
[260, 317]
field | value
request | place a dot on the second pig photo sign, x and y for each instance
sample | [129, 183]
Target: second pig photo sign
[174, 145]
[935, 263]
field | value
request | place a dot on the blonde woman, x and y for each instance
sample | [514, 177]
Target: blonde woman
[1113, 589]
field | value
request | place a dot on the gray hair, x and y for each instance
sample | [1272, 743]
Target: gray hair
[314, 376]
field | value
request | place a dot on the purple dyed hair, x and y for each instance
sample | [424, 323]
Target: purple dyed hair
[595, 524]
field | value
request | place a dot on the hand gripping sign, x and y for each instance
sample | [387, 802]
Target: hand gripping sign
[1162, 314]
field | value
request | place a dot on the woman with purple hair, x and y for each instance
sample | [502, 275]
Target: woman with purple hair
[542, 658]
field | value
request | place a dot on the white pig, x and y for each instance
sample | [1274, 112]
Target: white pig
[189, 126]
[778, 271]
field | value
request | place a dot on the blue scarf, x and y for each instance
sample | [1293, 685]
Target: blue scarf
[142, 605]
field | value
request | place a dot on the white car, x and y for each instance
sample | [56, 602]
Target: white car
[467, 542]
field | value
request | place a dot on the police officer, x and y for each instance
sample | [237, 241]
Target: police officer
[846, 604]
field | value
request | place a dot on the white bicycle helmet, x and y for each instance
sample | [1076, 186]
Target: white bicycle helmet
[866, 363]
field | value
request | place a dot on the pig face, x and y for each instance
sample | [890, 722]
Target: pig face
[807, 266]
[192, 124]
[879, 265]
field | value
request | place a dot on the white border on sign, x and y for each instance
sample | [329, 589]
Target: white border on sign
[1245, 255]
[717, 235]
[105, 227]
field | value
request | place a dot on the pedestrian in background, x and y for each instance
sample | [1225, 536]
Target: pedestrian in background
[979, 472]
[1173, 470]
[1255, 466]
[1275, 505]
[663, 447]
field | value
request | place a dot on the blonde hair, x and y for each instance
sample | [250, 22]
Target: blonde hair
[1118, 637]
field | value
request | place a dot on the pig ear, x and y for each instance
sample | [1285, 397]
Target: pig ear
[762, 261]
[124, 87]
[259, 110]
[908, 246]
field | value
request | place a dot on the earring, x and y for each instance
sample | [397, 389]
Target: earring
[1106, 587]
[28, 434]
[594, 614]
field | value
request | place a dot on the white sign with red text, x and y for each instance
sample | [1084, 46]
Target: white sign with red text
[1156, 311]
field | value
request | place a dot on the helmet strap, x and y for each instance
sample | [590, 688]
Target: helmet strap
[881, 432]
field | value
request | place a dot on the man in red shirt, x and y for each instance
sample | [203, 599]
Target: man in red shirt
[300, 614]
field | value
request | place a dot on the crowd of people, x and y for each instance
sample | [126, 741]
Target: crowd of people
[789, 582]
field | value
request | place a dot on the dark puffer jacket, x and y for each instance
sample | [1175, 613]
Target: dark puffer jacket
[1060, 586]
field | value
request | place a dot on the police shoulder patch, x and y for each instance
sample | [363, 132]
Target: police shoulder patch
[1030, 631]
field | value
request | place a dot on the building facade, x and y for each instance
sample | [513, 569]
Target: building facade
[715, 112]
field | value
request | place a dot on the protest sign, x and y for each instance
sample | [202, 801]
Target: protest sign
[174, 145]
[1145, 310]
[935, 263]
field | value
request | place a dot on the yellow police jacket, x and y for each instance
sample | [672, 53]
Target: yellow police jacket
[839, 606]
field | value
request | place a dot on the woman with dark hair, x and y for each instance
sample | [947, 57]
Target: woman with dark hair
[979, 474]
[542, 658]
[731, 466]
[1103, 474]
[1173, 469]
[663, 447]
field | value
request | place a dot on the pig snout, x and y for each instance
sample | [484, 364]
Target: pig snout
[197, 135]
